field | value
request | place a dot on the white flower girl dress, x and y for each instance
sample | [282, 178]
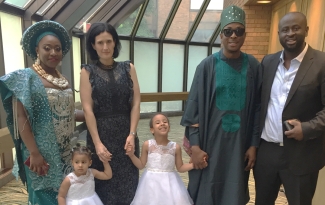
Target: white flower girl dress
[160, 184]
[82, 190]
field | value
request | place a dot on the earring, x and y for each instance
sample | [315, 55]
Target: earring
[37, 61]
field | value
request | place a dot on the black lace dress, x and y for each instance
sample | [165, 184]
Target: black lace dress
[112, 94]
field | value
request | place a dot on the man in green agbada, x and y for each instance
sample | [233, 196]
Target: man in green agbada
[221, 118]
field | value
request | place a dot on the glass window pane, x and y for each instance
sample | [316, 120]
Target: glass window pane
[215, 49]
[125, 28]
[11, 36]
[146, 107]
[213, 5]
[172, 76]
[154, 18]
[76, 59]
[125, 51]
[171, 106]
[173, 67]
[45, 6]
[195, 56]
[182, 22]
[208, 24]
[91, 13]
[146, 65]
[76, 66]
[18, 3]
[218, 40]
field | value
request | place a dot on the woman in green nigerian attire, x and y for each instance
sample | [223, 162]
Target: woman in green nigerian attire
[41, 115]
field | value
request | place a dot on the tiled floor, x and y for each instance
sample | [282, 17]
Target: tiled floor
[14, 193]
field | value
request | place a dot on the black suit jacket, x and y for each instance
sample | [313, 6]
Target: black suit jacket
[306, 102]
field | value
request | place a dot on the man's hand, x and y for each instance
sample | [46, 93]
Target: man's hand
[296, 132]
[250, 155]
[199, 158]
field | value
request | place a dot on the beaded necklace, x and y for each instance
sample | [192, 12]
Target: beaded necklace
[61, 82]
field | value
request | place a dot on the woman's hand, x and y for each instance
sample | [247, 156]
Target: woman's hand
[130, 150]
[38, 164]
[129, 141]
[103, 153]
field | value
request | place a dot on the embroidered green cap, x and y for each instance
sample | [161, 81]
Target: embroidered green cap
[35, 32]
[232, 14]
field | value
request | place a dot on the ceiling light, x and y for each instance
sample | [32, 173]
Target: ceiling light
[263, 2]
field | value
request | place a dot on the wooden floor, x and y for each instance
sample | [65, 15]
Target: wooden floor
[15, 193]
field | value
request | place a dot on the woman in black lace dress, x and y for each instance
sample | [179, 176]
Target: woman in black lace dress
[110, 99]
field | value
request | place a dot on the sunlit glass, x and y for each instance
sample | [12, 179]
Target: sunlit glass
[238, 31]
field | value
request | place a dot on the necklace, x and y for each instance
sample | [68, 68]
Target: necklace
[61, 82]
[106, 67]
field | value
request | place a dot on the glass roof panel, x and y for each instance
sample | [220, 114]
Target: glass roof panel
[154, 18]
[125, 28]
[208, 22]
[185, 15]
[18, 3]
[91, 13]
[218, 40]
[46, 6]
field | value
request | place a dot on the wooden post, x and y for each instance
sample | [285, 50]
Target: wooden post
[6, 156]
[319, 197]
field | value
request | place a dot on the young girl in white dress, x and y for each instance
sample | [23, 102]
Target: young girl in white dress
[160, 184]
[79, 186]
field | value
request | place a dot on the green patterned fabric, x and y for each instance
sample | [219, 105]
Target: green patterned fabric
[230, 122]
[230, 91]
[230, 85]
[232, 14]
[26, 86]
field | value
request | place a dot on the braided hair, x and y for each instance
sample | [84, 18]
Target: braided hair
[81, 150]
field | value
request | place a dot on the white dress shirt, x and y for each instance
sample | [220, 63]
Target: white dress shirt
[272, 131]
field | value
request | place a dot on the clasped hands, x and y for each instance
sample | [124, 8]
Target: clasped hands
[130, 146]
[103, 154]
[199, 158]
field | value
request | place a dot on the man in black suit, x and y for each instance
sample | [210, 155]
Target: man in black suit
[293, 90]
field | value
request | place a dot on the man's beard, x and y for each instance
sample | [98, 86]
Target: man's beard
[293, 49]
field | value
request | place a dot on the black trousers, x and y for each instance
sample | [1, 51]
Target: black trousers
[271, 171]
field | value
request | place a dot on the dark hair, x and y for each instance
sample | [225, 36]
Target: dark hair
[81, 150]
[151, 123]
[96, 29]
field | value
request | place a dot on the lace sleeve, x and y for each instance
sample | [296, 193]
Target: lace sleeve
[71, 178]
[90, 69]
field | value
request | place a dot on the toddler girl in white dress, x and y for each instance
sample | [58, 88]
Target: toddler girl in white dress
[160, 184]
[78, 188]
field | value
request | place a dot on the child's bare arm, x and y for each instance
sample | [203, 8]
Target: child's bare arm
[179, 161]
[139, 163]
[63, 191]
[106, 174]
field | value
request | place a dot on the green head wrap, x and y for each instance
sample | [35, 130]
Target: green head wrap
[232, 14]
[37, 31]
